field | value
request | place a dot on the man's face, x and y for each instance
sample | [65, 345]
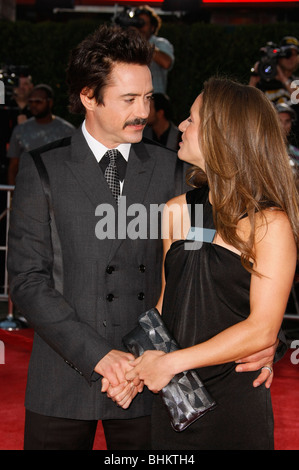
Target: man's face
[24, 88]
[286, 122]
[125, 109]
[290, 64]
[39, 103]
[147, 30]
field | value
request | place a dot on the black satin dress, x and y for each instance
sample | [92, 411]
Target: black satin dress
[207, 291]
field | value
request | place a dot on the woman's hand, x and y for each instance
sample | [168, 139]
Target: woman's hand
[153, 368]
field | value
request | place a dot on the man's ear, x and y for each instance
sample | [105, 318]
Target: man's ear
[87, 98]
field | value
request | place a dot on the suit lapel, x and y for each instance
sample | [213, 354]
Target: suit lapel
[138, 176]
[87, 172]
[89, 176]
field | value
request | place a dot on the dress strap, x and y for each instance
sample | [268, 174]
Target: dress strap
[196, 196]
[200, 232]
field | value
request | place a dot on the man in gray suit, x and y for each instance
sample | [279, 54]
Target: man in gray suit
[79, 290]
[103, 285]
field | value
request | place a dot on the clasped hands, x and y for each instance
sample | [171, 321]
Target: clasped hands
[113, 367]
[124, 376]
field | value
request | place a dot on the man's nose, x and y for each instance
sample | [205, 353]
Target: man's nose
[143, 109]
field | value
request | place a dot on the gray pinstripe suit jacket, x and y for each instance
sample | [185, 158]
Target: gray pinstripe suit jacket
[103, 285]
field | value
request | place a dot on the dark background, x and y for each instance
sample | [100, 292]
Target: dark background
[201, 50]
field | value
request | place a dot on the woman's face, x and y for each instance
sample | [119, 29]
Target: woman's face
[189, 150]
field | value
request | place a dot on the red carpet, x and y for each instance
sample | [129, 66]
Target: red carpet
[13, 375]
[285, 399]
[285, 396]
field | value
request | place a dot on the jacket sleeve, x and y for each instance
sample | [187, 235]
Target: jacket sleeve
[30, 267]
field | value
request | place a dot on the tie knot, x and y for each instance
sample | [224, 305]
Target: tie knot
[112, 154]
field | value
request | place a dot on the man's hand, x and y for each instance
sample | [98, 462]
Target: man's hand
[114, 366]
[254, 77]
[257, 361]
[124, 393]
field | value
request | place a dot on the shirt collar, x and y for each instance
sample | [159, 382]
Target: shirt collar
[99, 149]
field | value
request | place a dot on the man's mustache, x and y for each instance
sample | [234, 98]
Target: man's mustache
[136, 122]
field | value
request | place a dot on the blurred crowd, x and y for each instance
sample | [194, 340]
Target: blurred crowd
[27, 119]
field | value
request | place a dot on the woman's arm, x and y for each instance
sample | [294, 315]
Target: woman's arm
[276, 261]
[175, 214]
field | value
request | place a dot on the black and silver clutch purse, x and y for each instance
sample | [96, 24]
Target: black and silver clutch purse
[185, 396]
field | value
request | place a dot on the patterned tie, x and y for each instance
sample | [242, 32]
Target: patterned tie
[111, 173]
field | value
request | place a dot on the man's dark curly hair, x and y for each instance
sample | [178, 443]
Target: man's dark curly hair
[91, 61]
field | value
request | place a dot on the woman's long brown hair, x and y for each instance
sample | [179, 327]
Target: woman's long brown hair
[246, 163]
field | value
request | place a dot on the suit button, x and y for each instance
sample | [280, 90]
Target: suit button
[104, 323]
[110, 297]
[140, 296]
[110, 269]
[142, 268]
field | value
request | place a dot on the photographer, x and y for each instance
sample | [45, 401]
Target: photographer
[274, 73]
[145, 20]
[18, 86]
[278, 87]
[287, 118]
[163, 57]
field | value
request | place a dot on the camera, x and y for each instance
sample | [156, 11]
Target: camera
[129, 18]
[267, 68]
[10, 75]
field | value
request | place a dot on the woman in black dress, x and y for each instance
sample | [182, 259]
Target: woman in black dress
[225, 298]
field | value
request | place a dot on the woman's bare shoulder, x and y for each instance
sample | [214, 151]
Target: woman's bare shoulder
[177, 200]
[272, 223]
